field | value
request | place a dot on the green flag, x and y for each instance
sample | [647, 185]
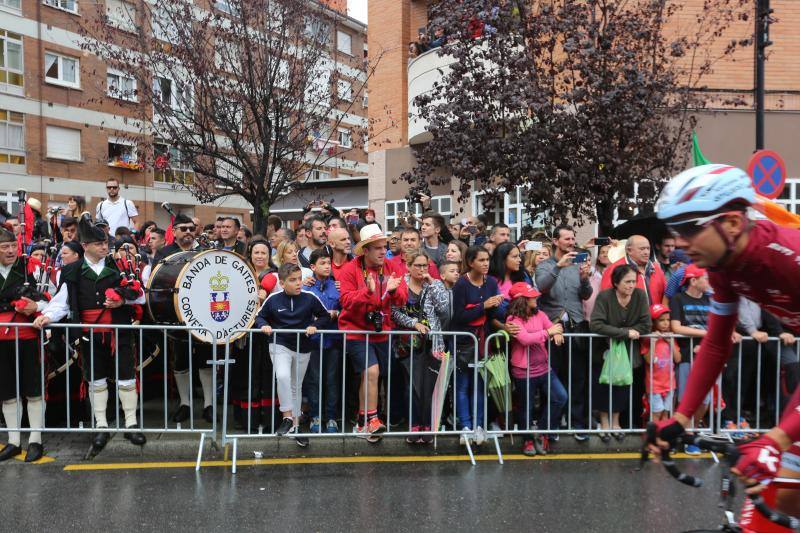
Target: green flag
[697, 156]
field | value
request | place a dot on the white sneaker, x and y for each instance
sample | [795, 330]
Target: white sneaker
[465, 436]
[480, 435]
[494, 427]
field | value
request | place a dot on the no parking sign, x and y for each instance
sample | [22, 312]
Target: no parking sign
[767, 171]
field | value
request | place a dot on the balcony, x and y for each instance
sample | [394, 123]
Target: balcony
[423, 71]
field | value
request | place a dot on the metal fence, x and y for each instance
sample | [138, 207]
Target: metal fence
[474, 390]
[84, 358]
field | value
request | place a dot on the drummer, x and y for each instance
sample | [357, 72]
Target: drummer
[184, 229]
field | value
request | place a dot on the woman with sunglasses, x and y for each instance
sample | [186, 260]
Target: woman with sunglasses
[706, 208]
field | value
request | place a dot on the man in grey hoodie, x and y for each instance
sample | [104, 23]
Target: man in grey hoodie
[564, 285]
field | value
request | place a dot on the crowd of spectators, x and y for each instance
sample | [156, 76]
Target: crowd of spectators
[342, 271]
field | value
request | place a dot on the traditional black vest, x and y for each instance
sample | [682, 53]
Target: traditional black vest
[12, 287]
[87, 290]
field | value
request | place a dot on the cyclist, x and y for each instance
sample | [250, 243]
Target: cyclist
[707, 209]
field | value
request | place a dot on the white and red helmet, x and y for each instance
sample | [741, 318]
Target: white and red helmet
[706, 189]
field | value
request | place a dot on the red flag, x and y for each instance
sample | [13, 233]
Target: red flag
[169, 235]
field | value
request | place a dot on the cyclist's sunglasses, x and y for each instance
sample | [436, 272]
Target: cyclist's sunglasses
[692, 227]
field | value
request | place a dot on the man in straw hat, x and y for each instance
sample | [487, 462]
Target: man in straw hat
[91, 292]
[369, 287]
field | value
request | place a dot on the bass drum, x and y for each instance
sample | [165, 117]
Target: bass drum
[215, 291]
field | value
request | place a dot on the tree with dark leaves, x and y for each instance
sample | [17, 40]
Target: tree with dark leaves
[586, 105]
[244, 93]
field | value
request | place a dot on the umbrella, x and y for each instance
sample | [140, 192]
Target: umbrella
[647, 225]
[496, 377]
[439, 395]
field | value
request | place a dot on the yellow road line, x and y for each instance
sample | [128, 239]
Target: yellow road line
[43, 460]
[359, 459]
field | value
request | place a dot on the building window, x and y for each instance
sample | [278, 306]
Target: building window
[365, 100]
[14, 5]
[61, 70]
[316, 28]
[12, 141]
[170, 166]
[9, 201]
[66, 5]
[442, 205]
[226, 6]
[172, 94]
[63, 143]
[122, 154]
[11, 70]
[344, 90]
[164, 25]
[316, 174]
[790, 197]
[121, 14]
[397, 211]
[344, 42]
[121, 86]
[345, 138]
[318, 89]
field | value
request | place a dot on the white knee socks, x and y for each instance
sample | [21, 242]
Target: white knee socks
[36, 408]
[98, 395]
[129, 399]
[182, 384]
[208, 387]
[13, 418]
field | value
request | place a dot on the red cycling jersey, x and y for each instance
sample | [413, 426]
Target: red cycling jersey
[766, 272]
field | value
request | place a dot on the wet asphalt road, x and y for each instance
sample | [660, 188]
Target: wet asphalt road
[542, 496]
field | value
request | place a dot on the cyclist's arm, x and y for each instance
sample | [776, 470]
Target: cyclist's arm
[711, 357]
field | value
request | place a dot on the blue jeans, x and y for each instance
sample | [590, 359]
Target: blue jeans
[526, 390]
[331, 381]
[468, 384]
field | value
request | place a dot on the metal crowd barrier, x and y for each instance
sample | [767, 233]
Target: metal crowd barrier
[388, 377]
[716, 411]
[754, 367]
[150, 343]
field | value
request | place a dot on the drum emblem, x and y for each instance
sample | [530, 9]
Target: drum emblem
[220, 302]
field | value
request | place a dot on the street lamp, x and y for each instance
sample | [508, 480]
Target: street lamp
[762, 41]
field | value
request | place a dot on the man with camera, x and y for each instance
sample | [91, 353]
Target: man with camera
[369, 286]
[564, 283]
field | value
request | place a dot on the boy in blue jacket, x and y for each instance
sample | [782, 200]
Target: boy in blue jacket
[330, 345]
[290, 352]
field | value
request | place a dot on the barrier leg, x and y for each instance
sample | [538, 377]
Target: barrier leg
[233, 459]
[469, 451]
[200, 452]
[499, 451]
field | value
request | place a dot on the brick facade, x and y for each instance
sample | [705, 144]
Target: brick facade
[87, 108]
[394, 24]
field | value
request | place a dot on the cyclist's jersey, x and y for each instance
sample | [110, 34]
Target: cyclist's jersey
[768, 273]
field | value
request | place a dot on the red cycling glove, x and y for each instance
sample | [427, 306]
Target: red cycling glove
[760, 459]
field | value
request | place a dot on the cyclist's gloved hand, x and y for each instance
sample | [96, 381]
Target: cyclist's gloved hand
[759, 459]
[669, 430]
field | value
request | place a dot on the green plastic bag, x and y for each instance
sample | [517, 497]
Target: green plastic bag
[617, 366]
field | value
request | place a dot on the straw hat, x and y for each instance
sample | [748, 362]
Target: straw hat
[617, 252]
[35, 204]
[369, 234]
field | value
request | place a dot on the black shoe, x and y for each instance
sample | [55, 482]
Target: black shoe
[9, 451]
[605, 437]
[581, 437]
[285, 427]
[301, 441]
[208, 414]
[99, 442]
[34, 453]
[182, 414]
[135, 437]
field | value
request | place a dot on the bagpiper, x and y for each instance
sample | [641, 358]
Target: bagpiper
[93, 292]
[20, 360]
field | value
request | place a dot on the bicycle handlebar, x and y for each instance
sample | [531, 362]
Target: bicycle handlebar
[731, 453]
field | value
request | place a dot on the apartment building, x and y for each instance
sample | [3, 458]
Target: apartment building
[59, 138]
[726, 134]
